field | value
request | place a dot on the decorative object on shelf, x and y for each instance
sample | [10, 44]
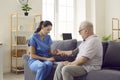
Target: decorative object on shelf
[23, 2]
[21, 40]
[26, 8]
[19, 51]
[20, 27]
[106, 38]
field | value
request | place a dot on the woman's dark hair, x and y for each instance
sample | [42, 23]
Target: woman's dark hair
[44, 24]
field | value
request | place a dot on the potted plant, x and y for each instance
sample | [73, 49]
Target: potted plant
[106, 38]
[26, 8]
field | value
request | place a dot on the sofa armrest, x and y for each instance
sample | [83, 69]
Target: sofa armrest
[26, 57]
[28, 74]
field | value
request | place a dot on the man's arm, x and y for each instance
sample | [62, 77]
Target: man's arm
[68, 53]
[79, 61]
[75, 51]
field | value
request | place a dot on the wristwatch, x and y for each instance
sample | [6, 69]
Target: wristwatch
[23, 2]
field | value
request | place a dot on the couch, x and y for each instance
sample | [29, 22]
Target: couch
[110, 69]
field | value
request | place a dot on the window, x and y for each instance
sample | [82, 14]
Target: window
[48, 14]
[61, 14]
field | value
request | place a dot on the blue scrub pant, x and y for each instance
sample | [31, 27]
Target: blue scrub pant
[42, 69]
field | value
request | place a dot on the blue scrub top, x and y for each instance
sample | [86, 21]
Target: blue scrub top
[42, 47]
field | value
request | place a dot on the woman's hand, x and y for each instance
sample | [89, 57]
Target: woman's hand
[63, 53]
[51, 59]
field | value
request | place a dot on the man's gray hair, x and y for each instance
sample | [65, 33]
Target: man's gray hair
[86, 24]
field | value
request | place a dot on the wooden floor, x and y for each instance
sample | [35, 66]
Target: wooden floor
[13, 76]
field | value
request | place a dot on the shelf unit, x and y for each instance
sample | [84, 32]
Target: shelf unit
[22, 27]
[115, 29]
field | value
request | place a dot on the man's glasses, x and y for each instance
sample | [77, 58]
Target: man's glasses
[81, 30]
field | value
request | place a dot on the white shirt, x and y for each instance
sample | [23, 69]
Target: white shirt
[92, 49]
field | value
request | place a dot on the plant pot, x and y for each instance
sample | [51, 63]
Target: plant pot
[26, 13]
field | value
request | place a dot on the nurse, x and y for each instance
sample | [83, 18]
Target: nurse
[39, 44]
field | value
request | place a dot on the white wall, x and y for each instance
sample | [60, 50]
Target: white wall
[7, 7]
[91, 10]
[101, 12]
[100, 17]
[95, 13]
[112, 10]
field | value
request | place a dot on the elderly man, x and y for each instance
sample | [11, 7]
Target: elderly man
[89, 55]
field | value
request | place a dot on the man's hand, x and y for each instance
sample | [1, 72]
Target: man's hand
[68, 53]
[66, 62]
[69, 63]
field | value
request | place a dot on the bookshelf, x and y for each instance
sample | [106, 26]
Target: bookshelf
[22, 27]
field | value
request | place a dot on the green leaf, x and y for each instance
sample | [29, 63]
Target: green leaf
[26, 7]
[106, 38]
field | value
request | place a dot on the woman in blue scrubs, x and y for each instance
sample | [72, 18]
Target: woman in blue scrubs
[39, 43]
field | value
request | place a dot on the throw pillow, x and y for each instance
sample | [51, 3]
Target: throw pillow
[112, 56]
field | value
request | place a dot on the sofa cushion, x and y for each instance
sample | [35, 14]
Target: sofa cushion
[78, 43]
[112, 56]
[105, 45]
[64, 45]
[103, 75]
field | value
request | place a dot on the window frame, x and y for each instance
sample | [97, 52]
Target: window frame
[56, 30]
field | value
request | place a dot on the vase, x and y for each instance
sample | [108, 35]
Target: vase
[26, 13]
